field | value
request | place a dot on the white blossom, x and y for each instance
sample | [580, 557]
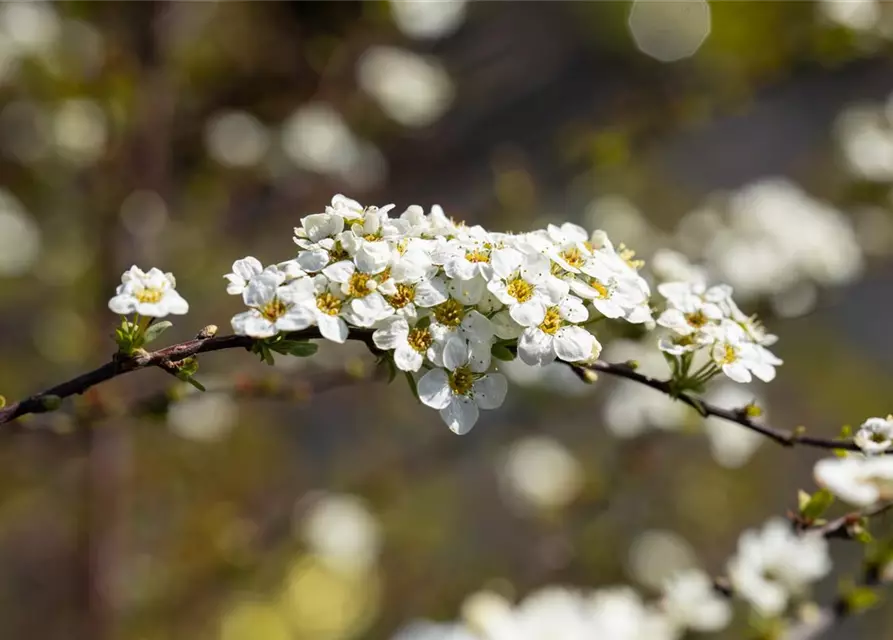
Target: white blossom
[691, 601]
[859, 481]
[274, 307]
[148, 293]
[875, 435]
[773, 564]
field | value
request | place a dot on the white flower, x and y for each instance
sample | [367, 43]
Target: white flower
[274, 307]
[151, 294]
[326, 303]
[690, 601]
[366, 305]
[774, 563]
[523, 283]
[464, 387]
[410, 344]
[875, 435]
[620, 614]
[557, 337]
[738, 357]
[861, 482]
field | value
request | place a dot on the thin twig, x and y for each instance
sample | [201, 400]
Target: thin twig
[163, 358]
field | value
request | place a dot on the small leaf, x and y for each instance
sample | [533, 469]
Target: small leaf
[156, 330]
[298, 348]
[802, 500]
[412, 385]
[501, 352]
[2, 402]
[817, 504]
[195, 383]
[423, 323]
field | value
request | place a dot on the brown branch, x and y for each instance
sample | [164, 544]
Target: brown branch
[164, 358]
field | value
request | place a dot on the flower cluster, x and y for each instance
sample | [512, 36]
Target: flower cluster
[864, 478]
[705, 320]
[773, 568]
[438, 298]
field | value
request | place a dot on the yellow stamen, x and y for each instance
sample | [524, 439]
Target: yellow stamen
[449, 313]
[573, 256]
[552, 322]
[404, 296]
[697, 319]
[273, 310]
[520, 289]
[149, 295]
[358, 285]
[461, 381]
[420, 339]
[328, 304]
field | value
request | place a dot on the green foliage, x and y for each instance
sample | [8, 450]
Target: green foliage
[814, 506]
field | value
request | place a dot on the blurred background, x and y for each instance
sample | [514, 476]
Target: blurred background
[313, 501]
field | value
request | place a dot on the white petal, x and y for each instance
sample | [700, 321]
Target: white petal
[468, 292]
[535, 347]
[529, 314]
[460, 415]
[123, 304]
[296, 319]
[391, 333]
[455, 353]
[313, 259]
[175, 303]
[489, 391]
[251, 323]
[505, 262]
[573, 344]
[332, 327]
[407, 359]
[340, 271]
[373, 257]
[434, 389]
[430, 292]
[261, 290]
[572, 309]
[247, 267]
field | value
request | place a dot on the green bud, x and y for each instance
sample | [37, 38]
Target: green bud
[50, 403]
[859, 599]
[2, 402]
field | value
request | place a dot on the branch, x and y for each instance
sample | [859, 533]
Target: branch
[738, 416]
[164, 358]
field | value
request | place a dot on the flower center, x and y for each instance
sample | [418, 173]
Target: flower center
[878, 438]
[449, 313]
[603, 292]
[328, 304]
[696, 319]
[520, 289]
[337, 252]
[573, 256]
[479, 254]
[149, 295]
[461, 381]
[730, 354]
[273, 310]
[420, 339]
[552, 321]
[404, 296]
[360, 285]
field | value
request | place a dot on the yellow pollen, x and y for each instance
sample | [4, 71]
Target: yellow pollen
[358, 285]
[461, 381]
[627, 255]
[420, 339]
[552, 321]
[329, 304]
[273, 310]
[696, 319]
[149, 295]
[520, 289]
[573, 257]
[405, 294]
[477, 256]
[603, 292]
[730, 354]
[371, 237]
[449, 313]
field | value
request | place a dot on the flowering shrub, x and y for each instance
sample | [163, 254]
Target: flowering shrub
[444, 303]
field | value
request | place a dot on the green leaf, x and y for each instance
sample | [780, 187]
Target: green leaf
[501, 352]
[50, 403]
[195, 383]
[423, 323]
[412, 385]
[2, 402]
[298, 348]
[156, 330]
[816, 505]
